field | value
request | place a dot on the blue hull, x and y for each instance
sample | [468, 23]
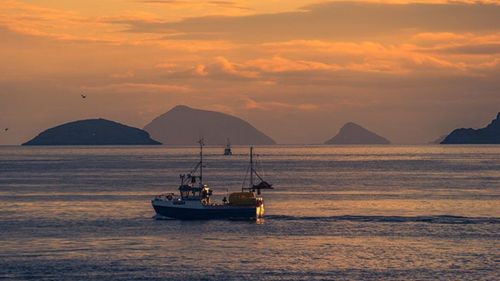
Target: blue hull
[207, 213]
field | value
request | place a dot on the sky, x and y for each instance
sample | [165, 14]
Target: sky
[295, 69]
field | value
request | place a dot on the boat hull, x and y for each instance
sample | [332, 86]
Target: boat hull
[209, 213]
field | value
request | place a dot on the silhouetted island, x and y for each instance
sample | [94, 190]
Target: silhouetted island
[92, 132]
[183, 125]
[352, 133]
[488, 135]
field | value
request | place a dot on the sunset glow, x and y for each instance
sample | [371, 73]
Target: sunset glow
[297, 70]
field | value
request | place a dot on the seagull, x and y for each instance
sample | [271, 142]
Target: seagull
[83, 96]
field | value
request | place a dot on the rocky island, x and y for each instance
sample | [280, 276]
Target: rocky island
[487, 135]
[183, 125]
[352, 133]
[92, 132]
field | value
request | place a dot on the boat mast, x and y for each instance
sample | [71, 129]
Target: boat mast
[201, 160]
[251, 166]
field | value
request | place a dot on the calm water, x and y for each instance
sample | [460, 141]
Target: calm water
[407, 212]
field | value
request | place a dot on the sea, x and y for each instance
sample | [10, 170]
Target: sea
[336, 213]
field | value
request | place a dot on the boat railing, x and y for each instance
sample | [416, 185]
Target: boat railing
[165, 197]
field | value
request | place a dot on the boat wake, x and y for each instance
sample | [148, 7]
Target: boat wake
[441, 219]
[161, 218]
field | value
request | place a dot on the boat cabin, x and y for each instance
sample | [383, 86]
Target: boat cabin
[195, 193]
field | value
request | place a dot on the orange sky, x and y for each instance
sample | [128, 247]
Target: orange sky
[296, 69]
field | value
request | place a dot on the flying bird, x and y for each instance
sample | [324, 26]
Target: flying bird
[6, 129]
[83, 96]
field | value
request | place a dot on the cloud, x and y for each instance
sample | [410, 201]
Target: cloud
[472, 49]
[439, 37]
[280, 64]
[200, 70]
[139, 88]
[197, 4]
[126, 74]
[458, 44]
[235, 69]
[337, 20]
[361, 60]
[34, 20]
[251, 104]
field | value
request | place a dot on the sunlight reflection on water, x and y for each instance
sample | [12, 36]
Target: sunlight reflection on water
[382, 212]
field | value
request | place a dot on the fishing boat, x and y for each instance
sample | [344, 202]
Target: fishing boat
[194, 201]
[227, 150]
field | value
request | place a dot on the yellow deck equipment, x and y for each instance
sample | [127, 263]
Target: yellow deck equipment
[242, 199]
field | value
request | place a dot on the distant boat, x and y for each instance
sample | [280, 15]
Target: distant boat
[227, 150]
[195, 202]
